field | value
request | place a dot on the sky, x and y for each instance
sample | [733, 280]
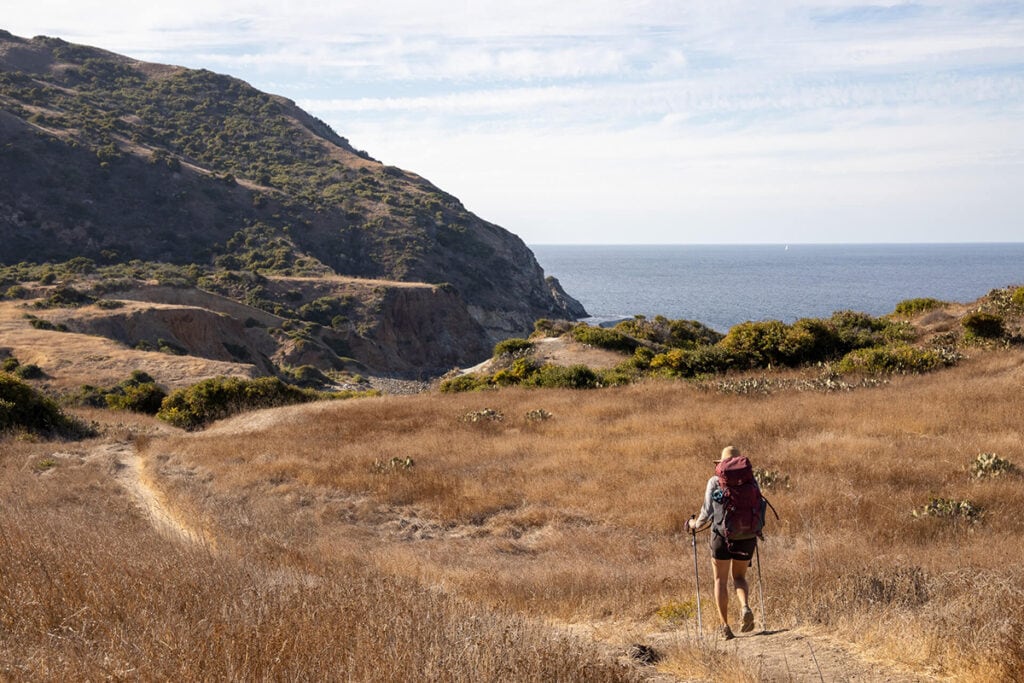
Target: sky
[634, 121]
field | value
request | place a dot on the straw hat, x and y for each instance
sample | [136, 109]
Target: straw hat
[728, 453]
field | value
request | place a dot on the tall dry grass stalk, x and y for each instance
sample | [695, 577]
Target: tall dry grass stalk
[579, 518]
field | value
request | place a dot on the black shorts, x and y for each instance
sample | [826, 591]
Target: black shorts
[736, 550]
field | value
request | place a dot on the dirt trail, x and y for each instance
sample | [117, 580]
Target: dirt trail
[131, 474]
[800, 654]
[777, 655]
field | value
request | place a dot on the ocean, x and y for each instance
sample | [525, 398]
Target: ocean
[724, 285]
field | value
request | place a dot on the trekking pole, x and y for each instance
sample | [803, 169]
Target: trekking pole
[696, 578]
[760, 589]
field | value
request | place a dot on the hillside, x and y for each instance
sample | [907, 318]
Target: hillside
[115, 160]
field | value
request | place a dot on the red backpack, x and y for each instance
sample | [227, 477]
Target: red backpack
[739, 507]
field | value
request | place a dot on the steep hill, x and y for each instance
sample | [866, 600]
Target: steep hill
[116, 160]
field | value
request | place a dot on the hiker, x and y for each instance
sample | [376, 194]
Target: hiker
[730, 556]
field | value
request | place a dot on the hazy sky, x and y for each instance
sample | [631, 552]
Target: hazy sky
[595, 121]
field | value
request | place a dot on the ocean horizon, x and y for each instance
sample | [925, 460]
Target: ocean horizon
[724, 285]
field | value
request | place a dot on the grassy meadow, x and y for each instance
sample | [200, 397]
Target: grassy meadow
[520, 534]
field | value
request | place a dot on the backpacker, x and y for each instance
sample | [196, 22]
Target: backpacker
[739, 507]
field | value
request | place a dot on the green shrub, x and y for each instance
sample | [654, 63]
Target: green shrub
[703, 360]
[911, 307]
[459, 383]
[855, 330]
[557, 376]
[680, 334]
[29, 371]
[895, 359]
[981, 325]
[214, 399]
[521, 369]
[167, 346]
[65, 297]
[9, 364]
[139, 394]
[307, 376]
[512, 347]
[1017, 298]
[757, 344]
[22, 408]
[620, 375]
[600, 337]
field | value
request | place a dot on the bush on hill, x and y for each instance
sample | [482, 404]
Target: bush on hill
[511, 347]
[681, 334]
[703, 360]
[981, 325]
[139, 394]
[909, 307]
[888, 360]
[613, 340]
[213, 399]
[22, 408]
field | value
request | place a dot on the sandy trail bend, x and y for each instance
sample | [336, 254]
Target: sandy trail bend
[132, 475]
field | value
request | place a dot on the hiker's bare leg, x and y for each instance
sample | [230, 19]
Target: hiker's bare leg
[739, 580]
[721, 571]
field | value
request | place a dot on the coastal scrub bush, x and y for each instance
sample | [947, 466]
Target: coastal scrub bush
[64, 297]
[910, 307]
[22, 408]
[137, 396]
[469, 382]
[1017, 298]
[757, 344]
[29, 371]
[511, 347]
[562, 377]
[213, 399]
[895, 359]
[980, 325]
[682, 334]
[518, 372]
[600, 337]
[703, 360]
[855, 330]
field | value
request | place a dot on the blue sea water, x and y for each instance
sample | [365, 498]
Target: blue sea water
[722, 286]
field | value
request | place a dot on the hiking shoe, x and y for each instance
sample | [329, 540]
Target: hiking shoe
[748, 620]
[727, 633]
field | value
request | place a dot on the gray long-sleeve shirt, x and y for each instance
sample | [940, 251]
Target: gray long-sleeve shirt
[707, 512]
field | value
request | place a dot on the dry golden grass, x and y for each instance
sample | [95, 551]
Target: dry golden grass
[576, 520]
[89, 591]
